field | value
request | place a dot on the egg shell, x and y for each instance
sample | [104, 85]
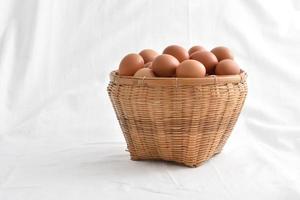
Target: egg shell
[144, 72]
[222, 53]
[130, 64]
[196, 48]
[227, 67]
[148, 65]
[190, 69]
[148, 55]
[208, 59]
[178, 52]
[165, 65]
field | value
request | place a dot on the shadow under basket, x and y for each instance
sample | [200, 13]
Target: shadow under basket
[185, 120]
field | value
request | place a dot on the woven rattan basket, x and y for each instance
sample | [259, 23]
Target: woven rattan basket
[185, 120]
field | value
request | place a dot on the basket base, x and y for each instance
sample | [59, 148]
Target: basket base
[191, 165]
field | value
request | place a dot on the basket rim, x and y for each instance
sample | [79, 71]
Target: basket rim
[174, 81]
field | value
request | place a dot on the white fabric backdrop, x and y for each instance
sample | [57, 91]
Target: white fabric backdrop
[59, 137]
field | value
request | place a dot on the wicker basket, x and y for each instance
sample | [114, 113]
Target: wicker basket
[185, 120]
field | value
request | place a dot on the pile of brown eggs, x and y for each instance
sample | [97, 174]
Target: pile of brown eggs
[176, 61]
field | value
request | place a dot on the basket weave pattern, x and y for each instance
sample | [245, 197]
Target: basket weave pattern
[173, 120]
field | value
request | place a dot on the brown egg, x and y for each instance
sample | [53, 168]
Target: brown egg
[148, 65]
[144, 72]
[165, 65]
[222, 53]
[177, 51]
[130, 64]
[227, 67]
[148, 55]
[208, 59]
[190, 69]
[196, 48]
